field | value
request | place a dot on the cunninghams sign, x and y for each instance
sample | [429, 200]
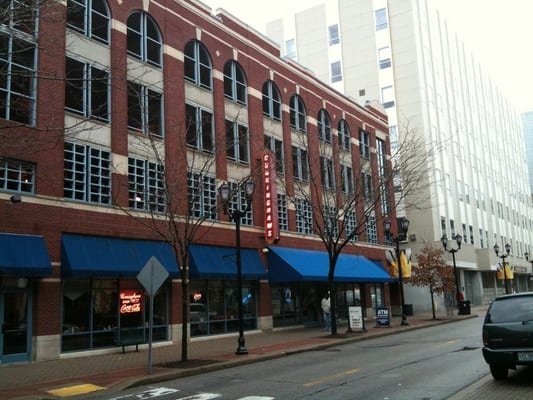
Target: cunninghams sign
[270, 199]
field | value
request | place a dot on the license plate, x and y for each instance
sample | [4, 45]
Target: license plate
[525, 356]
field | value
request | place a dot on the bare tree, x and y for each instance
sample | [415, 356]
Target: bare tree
[432, 272]
[342, 205]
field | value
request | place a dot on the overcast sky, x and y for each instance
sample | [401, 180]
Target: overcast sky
[499, 34]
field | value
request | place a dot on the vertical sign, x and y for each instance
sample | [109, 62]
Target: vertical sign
[270, 199]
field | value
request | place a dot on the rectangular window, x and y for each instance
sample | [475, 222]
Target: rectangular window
[300, 163]
[304, 217]
[238, 203]
[381, 19]
[17, 78]
[336, 72]
[331, 219]
[237, 142]
[276, 147]
[347, 179]
[145, 110]
[202, 193]
[443, 226]
[283, 213]
[146, 183]
[350, 225]
[364, 144]
[367, 186]
[327, 173]
[87, 90]
[481, 238]
[452, 228]
[87, 174]
[381, 158]
[199, 126]
[387, 97]
[371, 230]
[333, 32]
[471, 231]
[384, 57]
[290, 49]
[17, 176]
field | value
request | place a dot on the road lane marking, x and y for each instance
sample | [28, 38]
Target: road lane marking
[331, 377]
[75, 390]
[201, 396]
[256, 398]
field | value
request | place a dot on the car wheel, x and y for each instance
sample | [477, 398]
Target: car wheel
[499, 372]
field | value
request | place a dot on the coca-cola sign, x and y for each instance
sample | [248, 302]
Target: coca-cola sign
[130, 301]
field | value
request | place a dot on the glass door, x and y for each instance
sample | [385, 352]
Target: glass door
[15, 332]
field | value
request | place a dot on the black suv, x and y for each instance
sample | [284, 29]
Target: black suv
[508, 333]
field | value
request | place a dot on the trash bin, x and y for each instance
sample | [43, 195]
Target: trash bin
[408, 309]
[464, 307]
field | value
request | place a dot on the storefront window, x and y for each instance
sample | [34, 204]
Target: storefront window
[376, 293]
[95, 310]
[214, 307]
[286, 305]
[348, 295]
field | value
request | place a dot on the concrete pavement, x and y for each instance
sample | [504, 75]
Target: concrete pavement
[116, 371]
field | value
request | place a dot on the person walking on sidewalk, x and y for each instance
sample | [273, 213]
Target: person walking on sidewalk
[326, 312]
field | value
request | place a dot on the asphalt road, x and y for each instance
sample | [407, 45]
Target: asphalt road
[430, 364]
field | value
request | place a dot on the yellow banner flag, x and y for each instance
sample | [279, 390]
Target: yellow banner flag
[508, 272]
[406, 267]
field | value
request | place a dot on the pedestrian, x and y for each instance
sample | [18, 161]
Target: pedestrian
[326, 312]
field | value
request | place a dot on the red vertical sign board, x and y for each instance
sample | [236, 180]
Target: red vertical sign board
[270, 199]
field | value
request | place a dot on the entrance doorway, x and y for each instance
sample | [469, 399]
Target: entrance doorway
[15, 333]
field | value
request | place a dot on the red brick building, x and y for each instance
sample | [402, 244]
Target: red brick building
[120, 119]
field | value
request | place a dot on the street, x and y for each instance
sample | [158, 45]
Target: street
[430, 363]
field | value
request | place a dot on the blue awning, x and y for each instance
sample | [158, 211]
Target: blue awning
[212, 262]
[101, 257]
[23, 255]
[294, 265]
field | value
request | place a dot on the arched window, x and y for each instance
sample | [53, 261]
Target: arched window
[90, 17]
[234, 82]
[324, 126]
[144, 40]
[271, 100]
[344, 135]
[298, 114]
[198, 65]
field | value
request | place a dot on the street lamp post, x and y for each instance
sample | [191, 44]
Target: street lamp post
[225, 194]
[404, 226]
[459, 240]
[503, 257]
[526, 254]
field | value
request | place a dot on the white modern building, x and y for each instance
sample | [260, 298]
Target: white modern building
[527, 128]
[403, 54]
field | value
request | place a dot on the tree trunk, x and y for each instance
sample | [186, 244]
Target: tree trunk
[432, 304]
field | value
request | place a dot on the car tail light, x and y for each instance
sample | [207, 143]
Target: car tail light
[485, 338]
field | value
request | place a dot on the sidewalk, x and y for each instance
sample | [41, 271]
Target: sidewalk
[99, 374]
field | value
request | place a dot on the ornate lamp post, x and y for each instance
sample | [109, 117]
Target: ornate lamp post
[225, 194]
[458, 240]
[503, 257]
[404, 226]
